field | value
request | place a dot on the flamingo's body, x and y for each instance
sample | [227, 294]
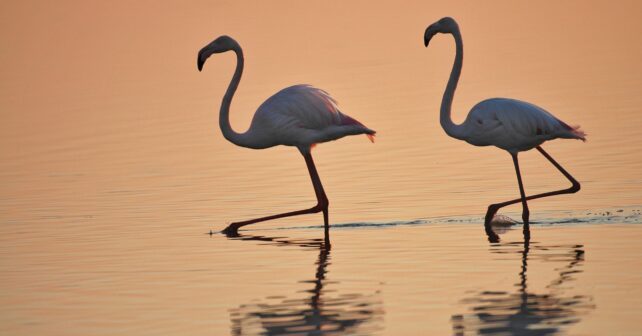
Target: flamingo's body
[300, 116]
[509, 124]
[514, 125]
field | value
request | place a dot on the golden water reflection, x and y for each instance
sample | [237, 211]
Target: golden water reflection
[524, 311]
[112, 164]
[319, 311]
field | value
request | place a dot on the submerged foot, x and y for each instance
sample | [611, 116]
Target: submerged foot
[497, 225]
[502, 221]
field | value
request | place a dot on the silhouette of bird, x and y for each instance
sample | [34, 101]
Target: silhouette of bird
[509, 124]
[300, 116]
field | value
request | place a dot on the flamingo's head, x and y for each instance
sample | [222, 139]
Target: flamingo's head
[444, 25]
[221, 44]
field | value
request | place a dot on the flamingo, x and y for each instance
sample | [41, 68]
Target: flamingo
[509, 124]
[300, 116]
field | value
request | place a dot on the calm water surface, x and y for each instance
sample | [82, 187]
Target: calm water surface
[113, 171]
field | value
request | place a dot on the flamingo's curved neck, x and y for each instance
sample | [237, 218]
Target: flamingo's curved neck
[239, 139]
[446, 121]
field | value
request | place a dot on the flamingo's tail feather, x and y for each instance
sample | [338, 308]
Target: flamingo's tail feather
[581, 135]
[371, 137]
[576, 132]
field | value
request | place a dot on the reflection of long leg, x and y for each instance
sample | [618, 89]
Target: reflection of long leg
[322, 203]
[316, 301]
[522, 274]
[575, 187]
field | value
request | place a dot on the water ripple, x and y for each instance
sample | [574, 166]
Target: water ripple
[631, 215]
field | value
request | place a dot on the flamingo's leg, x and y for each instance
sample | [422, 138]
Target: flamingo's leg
[525, 212]
[575, 187]
[322, 199]
[322, 204]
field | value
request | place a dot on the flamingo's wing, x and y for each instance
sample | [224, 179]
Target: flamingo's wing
[301, 106]
[520, 121]
[302, 113]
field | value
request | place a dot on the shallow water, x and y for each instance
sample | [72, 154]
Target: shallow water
[113, 172]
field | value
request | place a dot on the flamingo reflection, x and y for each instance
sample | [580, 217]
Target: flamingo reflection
[314, 311]
[526, 312]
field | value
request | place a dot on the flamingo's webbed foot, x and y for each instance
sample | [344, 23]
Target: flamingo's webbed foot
[231, 230]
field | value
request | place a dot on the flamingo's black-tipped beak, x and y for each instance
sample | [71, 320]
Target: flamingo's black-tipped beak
[200, 61]
[430, 32]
